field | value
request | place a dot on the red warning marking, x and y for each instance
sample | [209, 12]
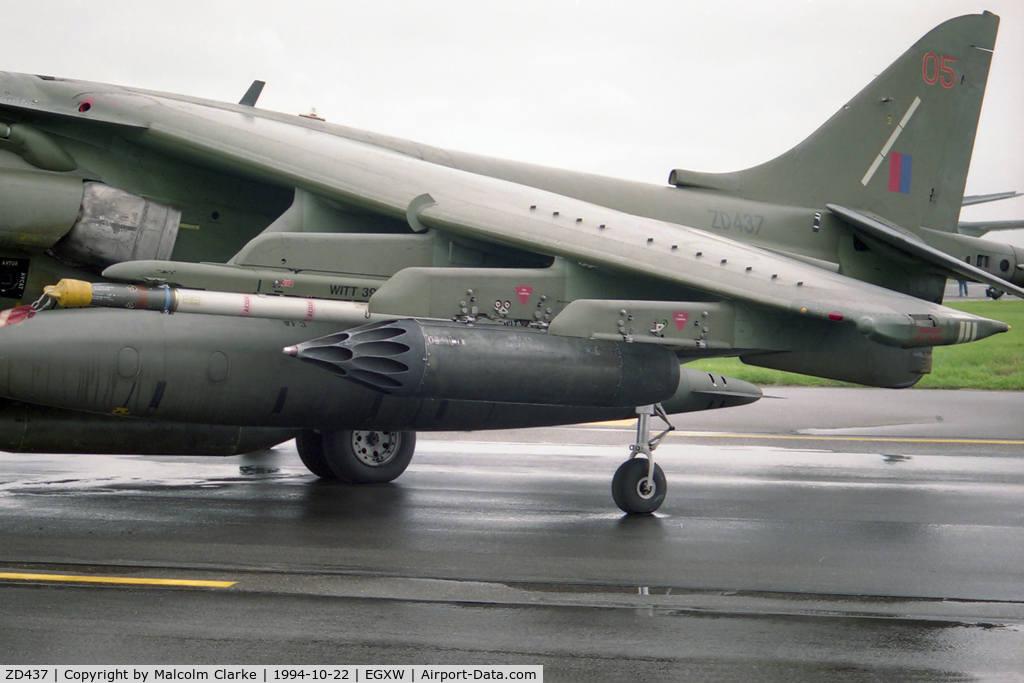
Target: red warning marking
[929, 333]
[523, 292]
[680, 317]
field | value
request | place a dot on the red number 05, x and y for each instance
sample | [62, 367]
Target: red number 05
[939, 70]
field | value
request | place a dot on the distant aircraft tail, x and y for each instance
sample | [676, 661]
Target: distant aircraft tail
[900, 149]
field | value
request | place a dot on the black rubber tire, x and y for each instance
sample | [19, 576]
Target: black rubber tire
[627, 492]
[367, 456]
[310, 446]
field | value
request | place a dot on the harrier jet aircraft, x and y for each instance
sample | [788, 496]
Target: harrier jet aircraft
[213, 278]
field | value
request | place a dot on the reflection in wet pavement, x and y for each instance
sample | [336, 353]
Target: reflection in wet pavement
[766, 562]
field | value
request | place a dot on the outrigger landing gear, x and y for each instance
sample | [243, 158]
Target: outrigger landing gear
[639, 486]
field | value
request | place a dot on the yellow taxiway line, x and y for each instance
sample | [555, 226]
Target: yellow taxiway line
[875, 439]
[119, 580]
[822, 437]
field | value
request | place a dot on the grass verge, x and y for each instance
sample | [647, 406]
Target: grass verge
[993, 363]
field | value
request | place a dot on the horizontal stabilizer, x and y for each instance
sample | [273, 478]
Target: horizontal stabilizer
[913, 245]
[994, 197]
[977, 229]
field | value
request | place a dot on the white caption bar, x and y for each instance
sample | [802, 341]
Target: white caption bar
[270, 674]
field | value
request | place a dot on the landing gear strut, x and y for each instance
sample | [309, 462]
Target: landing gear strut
[639, 485]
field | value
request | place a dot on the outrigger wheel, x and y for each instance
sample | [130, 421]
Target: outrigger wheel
[639, 485]
[635, 490]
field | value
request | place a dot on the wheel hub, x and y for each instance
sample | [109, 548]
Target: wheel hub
[645, 488]
[375, 449]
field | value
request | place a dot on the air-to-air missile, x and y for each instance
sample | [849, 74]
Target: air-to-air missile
[165, 299]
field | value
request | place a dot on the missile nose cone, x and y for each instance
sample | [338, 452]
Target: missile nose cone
[291, 351]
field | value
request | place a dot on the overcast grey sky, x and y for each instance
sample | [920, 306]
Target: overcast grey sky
[623, 89]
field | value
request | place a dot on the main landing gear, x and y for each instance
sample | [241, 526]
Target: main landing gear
[639, 486]
[356, 456]
[371, 457]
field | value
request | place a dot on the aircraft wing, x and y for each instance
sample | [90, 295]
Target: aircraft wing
[499, 211]
[696, 259]
[329, 161]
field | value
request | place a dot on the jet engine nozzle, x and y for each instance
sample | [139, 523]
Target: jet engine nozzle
[116, 226]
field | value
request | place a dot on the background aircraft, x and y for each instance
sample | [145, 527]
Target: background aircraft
[469, 292]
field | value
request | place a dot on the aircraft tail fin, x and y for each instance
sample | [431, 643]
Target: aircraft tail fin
[900, 149]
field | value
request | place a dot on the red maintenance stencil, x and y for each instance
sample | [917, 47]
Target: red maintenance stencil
[523, 292]
[680, 317]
